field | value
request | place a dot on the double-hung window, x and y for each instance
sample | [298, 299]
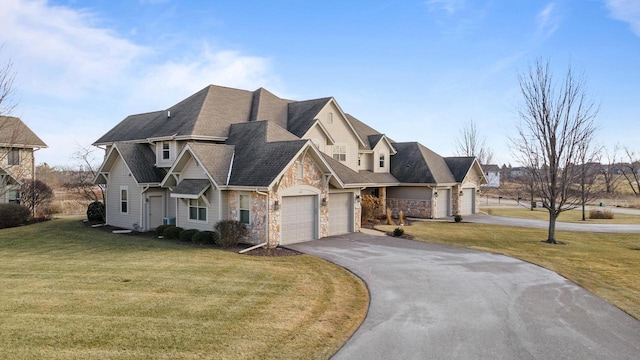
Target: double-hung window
[14, 156]
[245, 209]
[124, 199]
[197, 209]
[340, 152]
[166, 150]
[382, 158]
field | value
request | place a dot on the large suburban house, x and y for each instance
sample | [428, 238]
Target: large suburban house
[17, 162]
[291, 171]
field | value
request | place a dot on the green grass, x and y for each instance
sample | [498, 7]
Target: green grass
[605, 264]
[70, 292]
[567, 216]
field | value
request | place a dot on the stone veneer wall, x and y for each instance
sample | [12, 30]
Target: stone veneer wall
[258, 220]
[312, 176]
[411, 207]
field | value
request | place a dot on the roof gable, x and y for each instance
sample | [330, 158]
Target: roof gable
[139, 159]
[461, 166]
[15, 133]
[414, 163]
[302, 115]
[267, 106]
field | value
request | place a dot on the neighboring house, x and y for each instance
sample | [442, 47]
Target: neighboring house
[290, 170]
[17, 162]
[492, 173]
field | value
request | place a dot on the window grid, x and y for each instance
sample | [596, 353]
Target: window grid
[197, 210]
[245, 209]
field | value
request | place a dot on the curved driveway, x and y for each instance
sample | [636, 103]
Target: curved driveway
[560, 226]
[436, 302]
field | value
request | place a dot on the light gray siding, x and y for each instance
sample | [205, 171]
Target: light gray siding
[182, 218]
[341, 134]
[120, 176]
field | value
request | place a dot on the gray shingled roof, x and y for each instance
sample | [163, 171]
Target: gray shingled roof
[207, 113]
[344, 173]
[302, 115]
[262, 152]
[141, 161]
[14, 133]
[191, 187]
[267, 106]
[216, 159]
[414, 163]
[370, 135]
[379, 178]
[459, 166]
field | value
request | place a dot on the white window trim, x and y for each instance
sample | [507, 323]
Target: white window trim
[329, 118]
[168, 150]
[206, 207]
[13, 158]
[240, 208]
[300, 171]
[382, 160]
[125, 188]
[339, 147]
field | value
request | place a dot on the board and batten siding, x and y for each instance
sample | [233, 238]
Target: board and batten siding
[341, 134]
[120, 176]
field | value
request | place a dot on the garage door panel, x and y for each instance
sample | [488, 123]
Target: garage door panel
[298, 219]
[340, 213]
[443, 203]
[468, 202]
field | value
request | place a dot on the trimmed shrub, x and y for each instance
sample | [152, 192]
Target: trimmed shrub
[160, 229]
[187, 235]
[398, 232]
[205, 237]
[457, 218]
[230, 232]
[95, 211]
[12, 215]
[601, 214]
[172, 232]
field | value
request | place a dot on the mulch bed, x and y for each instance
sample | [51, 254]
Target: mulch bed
[152, 234]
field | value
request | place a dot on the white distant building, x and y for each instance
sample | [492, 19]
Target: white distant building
[492, 173]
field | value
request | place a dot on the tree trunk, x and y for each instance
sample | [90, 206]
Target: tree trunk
[551, 239]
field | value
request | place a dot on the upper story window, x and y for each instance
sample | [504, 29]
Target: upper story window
[340, 152]
[330, 118]
[300, 171]
[245, 209]
[166, 150]
[359, 159]
[382, 158]
[13, 157]
[197, 209]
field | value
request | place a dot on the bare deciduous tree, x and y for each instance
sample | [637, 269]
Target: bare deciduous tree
[84, 174]
[557, 122]
[471, 143]
[7, 78]
[631, 170]
[608, 169]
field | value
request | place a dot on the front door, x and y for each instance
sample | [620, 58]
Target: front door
[155, 212]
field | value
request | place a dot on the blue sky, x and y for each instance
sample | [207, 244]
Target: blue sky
[415, 70]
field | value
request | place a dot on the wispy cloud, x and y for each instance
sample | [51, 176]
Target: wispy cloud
[627, 11]
[80, 70]
[62, 52]
[449, 6]
[548, 20]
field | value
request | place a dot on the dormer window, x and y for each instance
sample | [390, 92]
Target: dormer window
[382, 158]
[166, 150]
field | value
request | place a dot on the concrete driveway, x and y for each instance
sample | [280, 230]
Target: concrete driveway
[436, 302]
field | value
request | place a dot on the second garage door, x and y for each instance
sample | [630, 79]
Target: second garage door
[298, 219]
[443, 203]
[468, 202]
[340, 215]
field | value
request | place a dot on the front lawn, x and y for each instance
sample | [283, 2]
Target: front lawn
[71, 292]
[605, 264]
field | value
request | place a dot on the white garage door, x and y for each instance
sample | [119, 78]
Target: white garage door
[443, 203]
[298, 219]
[340, 217]
[468, 202]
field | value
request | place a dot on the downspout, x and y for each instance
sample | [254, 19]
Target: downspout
[267, 226]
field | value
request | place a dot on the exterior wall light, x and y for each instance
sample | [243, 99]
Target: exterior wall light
[276, 205]
[323, 202]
